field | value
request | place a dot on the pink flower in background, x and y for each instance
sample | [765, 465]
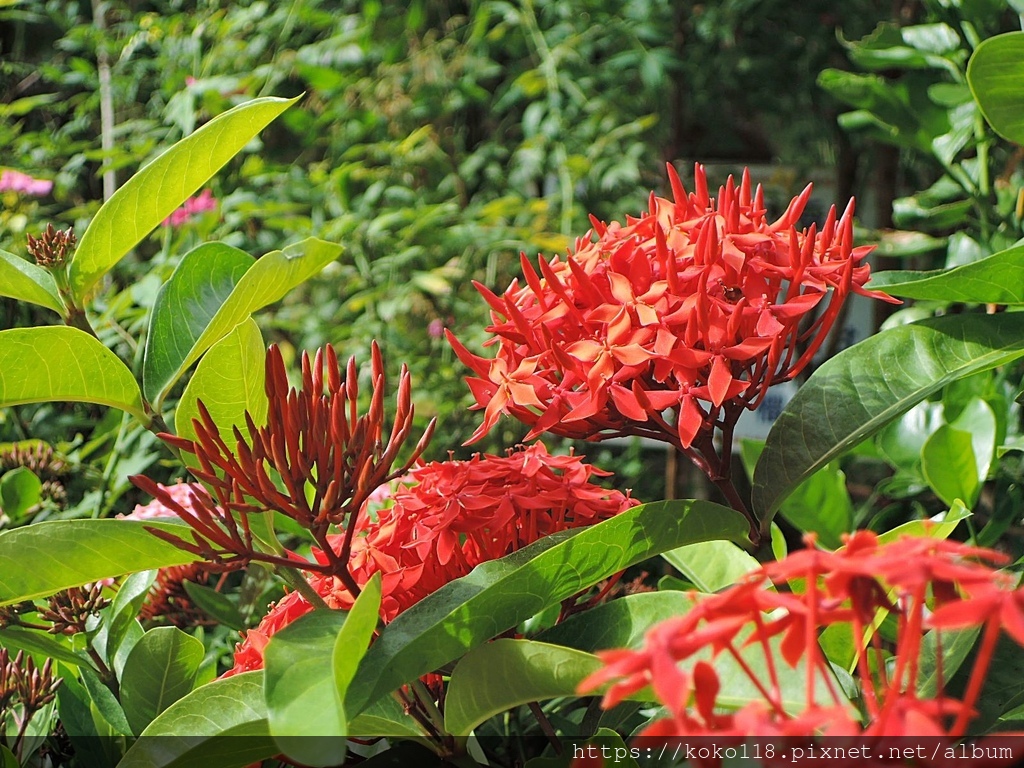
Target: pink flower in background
[16, 181]
[435, 329]
[204, 201]
[179, 492]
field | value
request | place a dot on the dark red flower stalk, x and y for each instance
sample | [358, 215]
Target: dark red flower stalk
[444, 519]
[670, 326]
[926, 583]
[316, 460]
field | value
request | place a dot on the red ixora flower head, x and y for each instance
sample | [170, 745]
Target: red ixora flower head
[696, 307]
[924, 582]
[445, 518]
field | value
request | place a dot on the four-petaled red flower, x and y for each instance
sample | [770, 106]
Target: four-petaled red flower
[670, 325]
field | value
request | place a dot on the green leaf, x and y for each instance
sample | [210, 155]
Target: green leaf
[28, 282]
[184, 307]
[19, 492]
[230, 381]
[947, 461]
[711, 565]
[221, 724]
[267, 281]
[160, 670]
[124, 609]
[152, 194]
[860, 390]
[821, 504]
[955, 646]
[41, 559]
[620, 623]
[305, 703]
[502, 593]
[996, 279]
[305, 712]
[214, 604]
[34, 641]
[105, 703]
[506, 673]
[59, 363]
[995, 72]
[979, 420]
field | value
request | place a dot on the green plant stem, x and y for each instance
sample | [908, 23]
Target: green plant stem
[294, 579]
[430, 709]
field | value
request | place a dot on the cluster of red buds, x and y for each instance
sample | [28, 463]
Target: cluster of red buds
[52, 247]
[70, 609]
[925, 583]
[316, 460]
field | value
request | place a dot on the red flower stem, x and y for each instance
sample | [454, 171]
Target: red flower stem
[769, 656]
[978, 673]
[774, 701]
[339, 561]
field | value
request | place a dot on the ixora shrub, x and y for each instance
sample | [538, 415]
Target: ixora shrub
[474, 611]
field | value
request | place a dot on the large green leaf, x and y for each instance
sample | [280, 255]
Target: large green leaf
[161, 669]
[711, 565]
[502, 593]
[229, 380]
[996, 279]
[58, 363]
[41, 559]
[995, 73]
[267, 281]
[507, 673]
[948, 464]
[186, 304]
[46, 645]
[28, 282]
[620, 623]
[308, 666]
[221, 724]
[152, 194]
[860, 390]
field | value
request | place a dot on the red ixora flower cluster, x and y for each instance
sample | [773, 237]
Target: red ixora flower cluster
[694, 308]
[925, 582]
[444, 519]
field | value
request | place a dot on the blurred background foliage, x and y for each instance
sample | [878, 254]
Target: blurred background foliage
[436, 141]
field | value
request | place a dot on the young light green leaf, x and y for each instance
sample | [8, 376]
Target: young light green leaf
[124, 609]
[160, 670]
[59, 363]
[153, 193]
[223, 723]
[860, 390]
[948, 464]
[20, 490]
[28, 282]
[41, 559]
[507, 673]
[355, 636]
[502, 593]
[995, 72]
[304, 708]
[229, 380]
[711, 565]
[267, 281]
[184, 307]
[996, 279]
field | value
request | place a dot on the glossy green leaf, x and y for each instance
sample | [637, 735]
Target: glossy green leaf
[124, 609]
[947, 461]
[355, 636]
[995, 72]
[952, 647]
[267, 281]
[221, 724]
[821, 505]
[32, 641]
[59, 363]
[996, 279]
[20, 490]
[979, 420]
[502, 593]
[41, 559]
[860, 390]
[230, 381]
[160, 670]
[184, 307]
[620, 623]
[153, 193]
[507, 673]
[214, 604]
[28, 282]
[711, 565]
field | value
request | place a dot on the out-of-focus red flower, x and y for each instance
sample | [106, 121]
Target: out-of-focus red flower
[670, 325]
[444, 519]
[909, 577]
[204, 201]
